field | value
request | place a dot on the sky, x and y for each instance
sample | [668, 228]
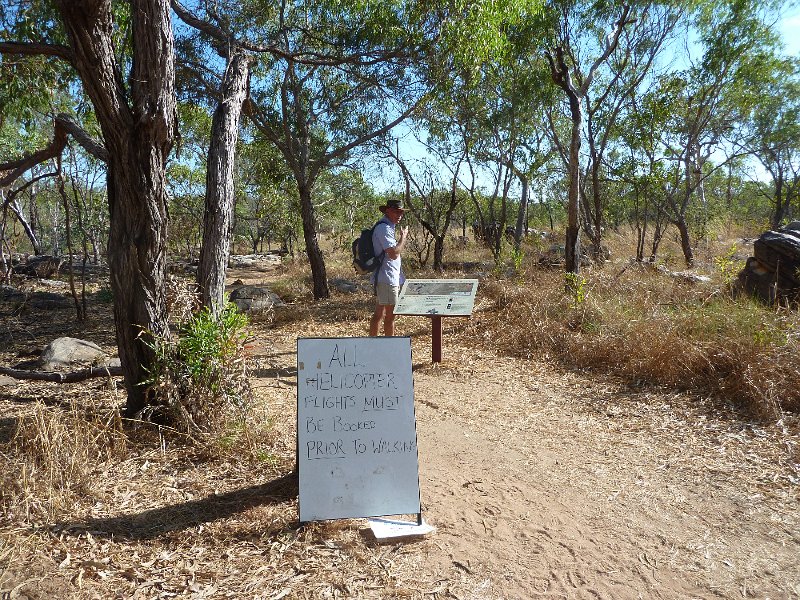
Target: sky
[790, 30]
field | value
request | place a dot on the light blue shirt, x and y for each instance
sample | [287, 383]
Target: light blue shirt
[383, 238]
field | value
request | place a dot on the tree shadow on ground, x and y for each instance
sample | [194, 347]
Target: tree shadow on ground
[157, 522]
[8, 427]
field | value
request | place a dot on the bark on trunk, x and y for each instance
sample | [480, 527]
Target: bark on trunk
[572, 249]
[29, 231]
[220, 198]
[438, 253]
[137, 256]
[138, 137]
[780, 206]
[521, 214]
[319, 275]
[686, 243]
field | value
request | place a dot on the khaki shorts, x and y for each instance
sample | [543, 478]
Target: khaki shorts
[387, 294]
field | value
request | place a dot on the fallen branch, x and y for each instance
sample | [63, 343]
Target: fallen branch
[71, 377]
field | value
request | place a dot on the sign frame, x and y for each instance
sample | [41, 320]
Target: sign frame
[432, 297]
[356, 450]
[437, 298]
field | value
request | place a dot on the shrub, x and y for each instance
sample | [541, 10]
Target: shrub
[200, 374]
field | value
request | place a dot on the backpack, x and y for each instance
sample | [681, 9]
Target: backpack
[364, 259]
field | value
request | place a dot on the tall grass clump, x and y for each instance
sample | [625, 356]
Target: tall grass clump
[649, 326]
[199, 384]
[53, 457]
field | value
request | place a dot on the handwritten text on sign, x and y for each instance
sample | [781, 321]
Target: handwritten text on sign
[357, 443]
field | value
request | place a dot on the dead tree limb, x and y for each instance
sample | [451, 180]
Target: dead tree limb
[71, 377]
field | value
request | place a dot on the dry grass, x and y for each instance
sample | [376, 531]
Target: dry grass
[651, 327]
[54, 455]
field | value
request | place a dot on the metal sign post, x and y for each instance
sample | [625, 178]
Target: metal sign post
[437, 298]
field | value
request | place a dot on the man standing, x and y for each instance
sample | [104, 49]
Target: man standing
[389, 276]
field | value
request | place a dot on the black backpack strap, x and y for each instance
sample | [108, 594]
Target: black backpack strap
[380, 258]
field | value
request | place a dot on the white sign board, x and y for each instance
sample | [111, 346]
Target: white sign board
[432, 297]
[356, 429]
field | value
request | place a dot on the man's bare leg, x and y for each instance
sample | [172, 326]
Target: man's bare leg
[388, 321]
[375, 321]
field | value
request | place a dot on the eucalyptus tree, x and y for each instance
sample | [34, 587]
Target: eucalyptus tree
[623, 76]
[266, 200]
[708, 103]
[225, 91]
[638, 167]
[318, 113]
[514, 133]
[345, 200]
[774, 137]
[430, 198]
[123, 57]
[347, 73]
[573, 72]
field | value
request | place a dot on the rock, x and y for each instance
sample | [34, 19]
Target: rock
[773, 273]
[690, 277]
[11, 294]
[683, 276]
[40, 266]
[54, 283]
[345, 286]
[40, 300]
[254, 260]
[793, 226]
[68, 352]
[255, 299]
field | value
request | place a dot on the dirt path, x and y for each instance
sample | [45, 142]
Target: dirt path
[545, 486]
[541, 483]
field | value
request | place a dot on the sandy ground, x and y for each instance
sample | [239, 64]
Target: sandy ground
[563, 487]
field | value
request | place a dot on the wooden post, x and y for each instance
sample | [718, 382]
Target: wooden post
[436, 323]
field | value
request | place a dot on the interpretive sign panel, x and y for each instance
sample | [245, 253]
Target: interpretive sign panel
[356, 430]
[442, 297]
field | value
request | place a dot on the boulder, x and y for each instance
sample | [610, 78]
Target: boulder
[39, 266]
[773, 273]
[254, 260]
[345, 285]
[255, 299]
[11, 294]
[49, 301]
[40, 300]
[67, 352]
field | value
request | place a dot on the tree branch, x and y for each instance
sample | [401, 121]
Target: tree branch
[71, 377]
[611, 44]
[62, 126]
[38, 49]
[86, 141]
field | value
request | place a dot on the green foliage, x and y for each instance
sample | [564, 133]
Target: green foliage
[728, 266]
[206, 343]
[517, 255]
[199, 375]
[575, 287]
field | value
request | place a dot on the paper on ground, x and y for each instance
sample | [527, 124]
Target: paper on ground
[390, 528]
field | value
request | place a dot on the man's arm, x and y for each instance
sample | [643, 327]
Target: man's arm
[397, 249]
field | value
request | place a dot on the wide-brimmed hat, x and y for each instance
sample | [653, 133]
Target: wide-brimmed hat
[395, 204]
